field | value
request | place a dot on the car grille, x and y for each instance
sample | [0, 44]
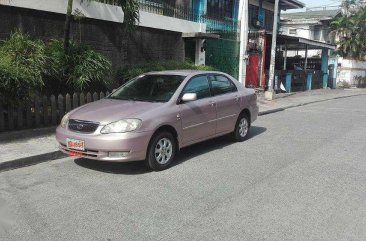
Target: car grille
[85, 153]
[82, 126]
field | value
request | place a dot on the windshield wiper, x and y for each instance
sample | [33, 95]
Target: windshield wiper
[134, 99]
[113, 97]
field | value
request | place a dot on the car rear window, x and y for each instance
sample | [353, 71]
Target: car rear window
[221, 85]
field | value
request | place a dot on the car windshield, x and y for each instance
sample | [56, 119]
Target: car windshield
[151, 88]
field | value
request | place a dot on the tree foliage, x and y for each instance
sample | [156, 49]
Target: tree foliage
[129, 72]
[350, 29]
[27, 64]
[77, 68]
[22, 62]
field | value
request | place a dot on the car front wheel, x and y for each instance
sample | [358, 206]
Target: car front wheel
[161, 151]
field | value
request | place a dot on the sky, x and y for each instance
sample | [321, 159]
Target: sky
[319, 3]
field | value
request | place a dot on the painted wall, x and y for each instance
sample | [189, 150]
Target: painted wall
[309, 31]
[349, 69]
[111, 13]
[303, 31]
[143, 45]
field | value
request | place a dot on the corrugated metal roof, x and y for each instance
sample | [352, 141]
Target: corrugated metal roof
[289, 4]
[318, 14]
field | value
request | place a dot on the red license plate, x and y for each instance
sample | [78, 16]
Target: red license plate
[75, 153]
[75, 144]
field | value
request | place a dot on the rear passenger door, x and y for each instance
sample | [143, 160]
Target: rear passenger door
[227, 102]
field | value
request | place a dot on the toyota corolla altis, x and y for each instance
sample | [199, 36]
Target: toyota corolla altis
[154, 115]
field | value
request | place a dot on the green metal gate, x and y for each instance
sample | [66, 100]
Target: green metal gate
[223, 55]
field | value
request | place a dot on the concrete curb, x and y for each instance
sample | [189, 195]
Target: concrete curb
[32, 160]
[303, 104]
[26, 134]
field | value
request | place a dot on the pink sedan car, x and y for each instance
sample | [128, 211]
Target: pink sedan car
[154, 115]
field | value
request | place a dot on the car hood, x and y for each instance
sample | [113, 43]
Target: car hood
[108, 110]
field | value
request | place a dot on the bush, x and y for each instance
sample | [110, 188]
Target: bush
[77, 68]
[359, 81]
[343, 84]
[21, 65]
[129, 72]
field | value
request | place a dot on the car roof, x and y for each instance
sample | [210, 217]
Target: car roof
[184, 72]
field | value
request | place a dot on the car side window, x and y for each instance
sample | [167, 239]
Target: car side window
[198, 85]
[221, 85]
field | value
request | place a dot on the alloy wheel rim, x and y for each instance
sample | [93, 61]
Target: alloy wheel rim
[163, 151]
[243, 127]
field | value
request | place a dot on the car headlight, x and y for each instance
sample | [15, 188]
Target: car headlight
[121, 126]
[65, 120]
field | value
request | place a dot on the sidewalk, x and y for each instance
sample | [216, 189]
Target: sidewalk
[286, 101]
[24, 148]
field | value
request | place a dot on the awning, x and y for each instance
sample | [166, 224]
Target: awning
[298, 43]
[288, 4]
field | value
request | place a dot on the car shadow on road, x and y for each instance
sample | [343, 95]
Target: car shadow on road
[138, 167]
[127, 168]
[221, 142]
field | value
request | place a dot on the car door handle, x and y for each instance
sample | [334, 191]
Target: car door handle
[237, 98]
[212, 104]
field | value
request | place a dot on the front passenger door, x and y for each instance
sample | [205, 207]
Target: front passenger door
[198, 117]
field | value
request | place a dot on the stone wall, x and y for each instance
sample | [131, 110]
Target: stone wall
[141, 46]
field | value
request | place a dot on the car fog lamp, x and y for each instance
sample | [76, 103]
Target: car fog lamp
[118, 154]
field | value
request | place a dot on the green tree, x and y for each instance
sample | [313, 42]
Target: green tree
[130, 9]
[22, 62]
[350, 29]
[77, 69]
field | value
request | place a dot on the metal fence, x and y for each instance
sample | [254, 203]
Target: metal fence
[223, 55]
[43, 111]
[215, 21]
[298, 79]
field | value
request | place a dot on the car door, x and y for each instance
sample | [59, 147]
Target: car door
[227, 102]
[198, 117]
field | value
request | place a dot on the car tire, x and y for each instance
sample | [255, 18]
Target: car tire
[242, 128]
[161, 151]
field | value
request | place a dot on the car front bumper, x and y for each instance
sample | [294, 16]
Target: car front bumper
[98, 146]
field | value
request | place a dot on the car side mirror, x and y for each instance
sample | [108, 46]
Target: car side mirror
[187, 97]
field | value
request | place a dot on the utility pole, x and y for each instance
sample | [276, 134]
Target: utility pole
[269, 94]
[243, 23]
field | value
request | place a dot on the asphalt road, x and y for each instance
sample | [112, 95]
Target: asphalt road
[300, 176]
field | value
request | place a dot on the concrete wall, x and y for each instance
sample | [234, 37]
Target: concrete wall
[107, 12]
[144, 45]
[306, 31]
[302, 30]
[349, 69]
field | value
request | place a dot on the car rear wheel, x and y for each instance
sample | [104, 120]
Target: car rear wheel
[241, 128]
[161, 151]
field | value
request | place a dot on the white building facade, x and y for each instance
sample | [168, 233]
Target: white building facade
[313, 25]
